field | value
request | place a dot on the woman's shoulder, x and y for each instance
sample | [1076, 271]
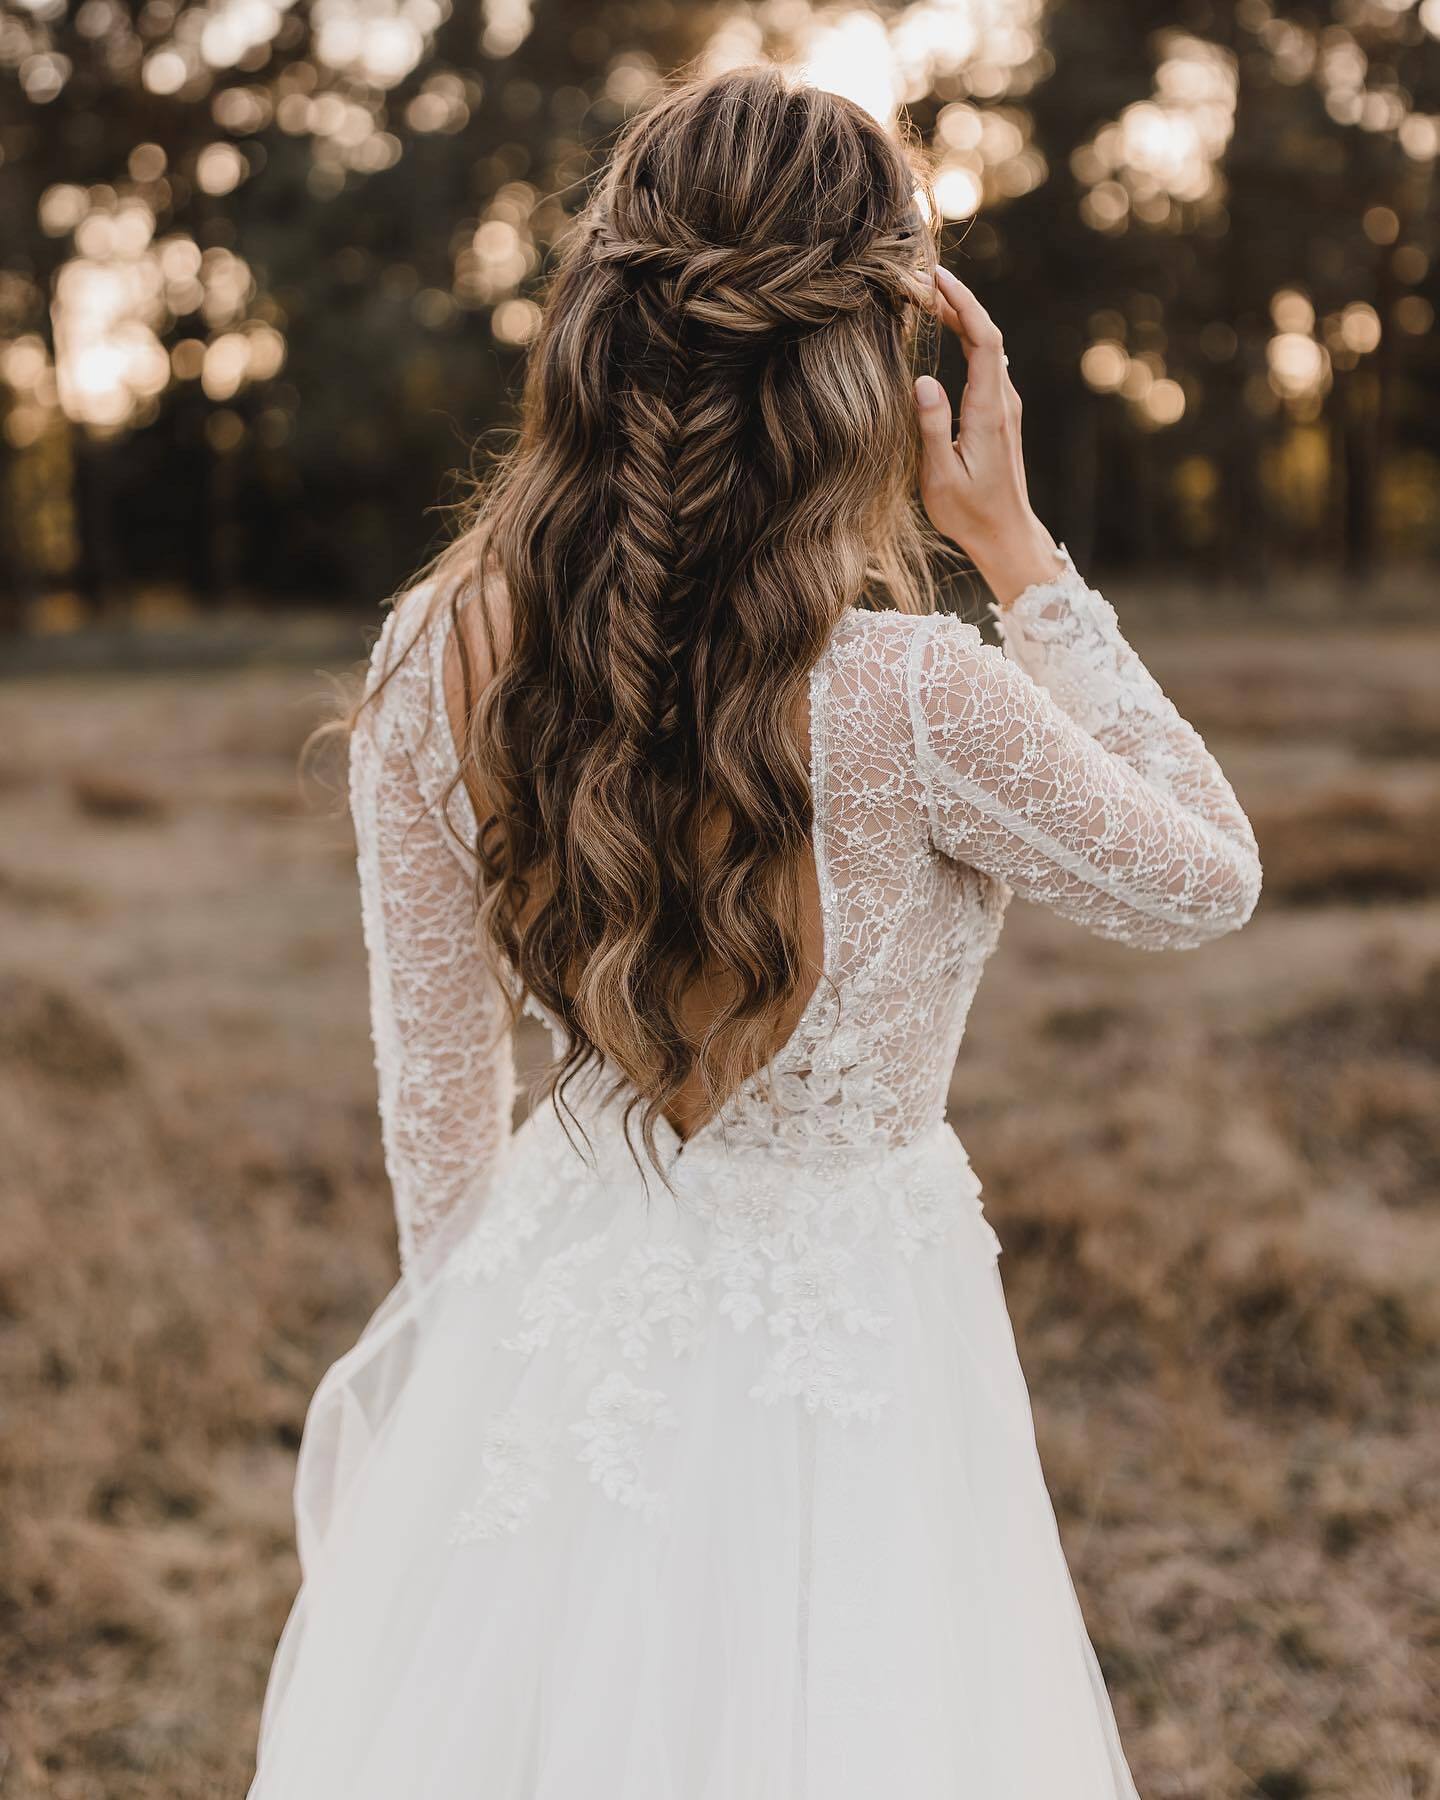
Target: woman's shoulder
[398, 648]
[897, 632]
[400, 682]
[892, 674]
[876, 653]
[437, 649]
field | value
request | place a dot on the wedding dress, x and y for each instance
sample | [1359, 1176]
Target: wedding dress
[732, 1493]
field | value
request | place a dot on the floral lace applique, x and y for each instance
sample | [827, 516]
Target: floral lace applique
[800, 1258]
[803, 1256]
[817, 1309]
[924, 1208]
[517, 1207]
[549, 1304]
[620, 1419]
[658, 1289]
[817, 1371]
[796, 1250]
[517, 1452]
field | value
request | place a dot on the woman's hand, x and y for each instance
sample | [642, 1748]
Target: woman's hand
[973, 485]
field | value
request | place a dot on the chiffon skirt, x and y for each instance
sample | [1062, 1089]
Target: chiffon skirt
[729, 1493]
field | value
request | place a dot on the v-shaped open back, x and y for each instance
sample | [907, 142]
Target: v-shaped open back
[685, 1122]
[693, 1121]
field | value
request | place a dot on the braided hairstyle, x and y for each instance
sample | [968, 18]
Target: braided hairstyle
[716, 458]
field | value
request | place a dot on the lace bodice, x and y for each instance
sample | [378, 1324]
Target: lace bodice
[946, 774]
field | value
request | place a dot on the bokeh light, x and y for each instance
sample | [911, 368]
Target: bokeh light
[515, 321]
[1360, 327]
[1165, 402]
[121, 293]
[505, 26]
[1299, 367]
[1159, 162]
[220, 168]
[1292, 311]
[1103, 365]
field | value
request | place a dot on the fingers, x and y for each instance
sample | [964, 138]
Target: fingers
[984, 347]
[975, 327]
[940, 306]
[938, 448]
[1014, 419]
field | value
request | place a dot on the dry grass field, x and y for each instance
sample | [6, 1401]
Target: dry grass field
[1216, 1177]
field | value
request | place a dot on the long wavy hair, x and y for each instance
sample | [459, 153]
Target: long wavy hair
[716, 457]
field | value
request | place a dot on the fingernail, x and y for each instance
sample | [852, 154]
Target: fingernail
[927, 390]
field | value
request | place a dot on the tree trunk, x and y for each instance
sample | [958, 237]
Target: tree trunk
[99, 569]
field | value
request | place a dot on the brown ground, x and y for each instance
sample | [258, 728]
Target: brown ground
[1217, 1178]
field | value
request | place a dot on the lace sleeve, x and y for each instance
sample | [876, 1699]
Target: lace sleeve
[1063, 770]
[439, 1017]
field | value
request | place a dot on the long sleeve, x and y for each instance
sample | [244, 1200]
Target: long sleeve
[439, 1017]
[1061, 769]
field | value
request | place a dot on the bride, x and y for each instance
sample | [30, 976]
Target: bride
[691, 1459]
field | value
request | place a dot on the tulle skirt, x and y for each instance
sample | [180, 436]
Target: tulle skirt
[725, 1494]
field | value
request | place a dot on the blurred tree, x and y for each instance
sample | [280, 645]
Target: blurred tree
[266, 266]
[220, 187]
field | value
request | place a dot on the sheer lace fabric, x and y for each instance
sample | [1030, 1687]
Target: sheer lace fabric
[438, 1015]
[761, 1444]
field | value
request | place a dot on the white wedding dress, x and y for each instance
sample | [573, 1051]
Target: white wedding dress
[732, 1494]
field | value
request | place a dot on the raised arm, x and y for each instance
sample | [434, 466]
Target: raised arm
[1063, 769]
[439, 1018]
[1067, 638]
[1114, 814]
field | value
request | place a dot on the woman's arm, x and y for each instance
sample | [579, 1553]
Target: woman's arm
[1068, 640]
[1061, 768]
[440, 1020]
[1139, 838]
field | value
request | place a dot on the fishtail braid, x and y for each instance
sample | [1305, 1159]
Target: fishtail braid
[716, 456]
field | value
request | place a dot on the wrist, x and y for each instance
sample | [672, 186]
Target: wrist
[1017, 557]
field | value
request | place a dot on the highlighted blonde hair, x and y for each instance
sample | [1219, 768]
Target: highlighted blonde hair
[716, 458]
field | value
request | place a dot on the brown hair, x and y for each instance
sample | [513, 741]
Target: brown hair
[716, 458]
